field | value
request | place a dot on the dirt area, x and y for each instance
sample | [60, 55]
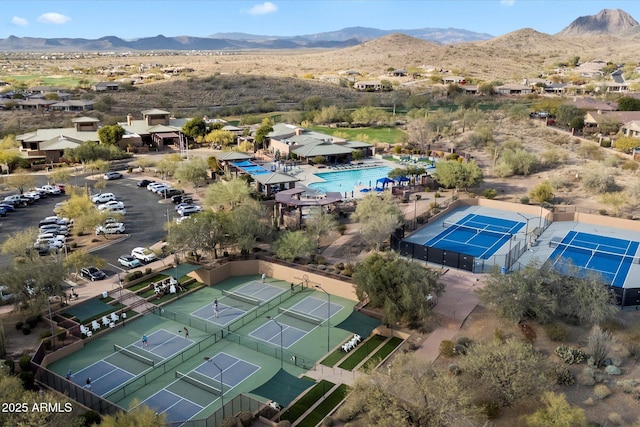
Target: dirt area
[481, 326]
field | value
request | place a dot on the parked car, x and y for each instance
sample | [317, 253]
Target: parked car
[180, 198]
[143, 254]
[111, 175]
[54, 228]
[144, 183]
[33, 194]
[121, 211]
[160, 187]
[103, 197]
[113, 228]
[169, 192]
[113, 204]
[92, 273]
[191, 209]
[3, 211]
[8, 207]
[129, 261]
[152, 185]
[53, 190]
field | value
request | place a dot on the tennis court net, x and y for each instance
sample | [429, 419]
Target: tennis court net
[198, 383]
[595, 252]
[134, 355]
[477, 230]
[301, 316]
[243, 298]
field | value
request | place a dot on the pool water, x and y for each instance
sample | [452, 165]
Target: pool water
[343, 181]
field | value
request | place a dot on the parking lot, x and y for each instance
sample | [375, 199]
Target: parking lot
[145, 219]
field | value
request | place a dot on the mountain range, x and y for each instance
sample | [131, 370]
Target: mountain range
[607, 21]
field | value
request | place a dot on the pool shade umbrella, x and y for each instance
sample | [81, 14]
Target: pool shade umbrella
[384, 181]
[402, 179]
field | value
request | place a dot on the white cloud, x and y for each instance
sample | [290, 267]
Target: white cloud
[20, 22]
[53, 18]
[263, 9]
[507, 2]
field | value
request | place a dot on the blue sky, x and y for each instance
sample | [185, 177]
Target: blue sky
[145, 18]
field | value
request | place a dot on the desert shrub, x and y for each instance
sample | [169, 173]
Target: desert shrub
[44, 334]
[599, 345]
[341, 228]
[89, 418]
[570, 355]
[26, 330]
[611, 324]
[454, 369]
[459, 349]
[606, 143]
[32, 321]
[490, 407]
[133, 276]
[498, 335]
[524, 200]
[464, 341]
[489, 193]
[11, 365]
[599, 182]
[601, 391]
[447, 348]
[557, 332]
[631, 341]
[528, 332]
[563, 376]
[61, 335]
[245, 418]
[25, 362]
[589, 151]
[615, 418]
[630, 165]
[327, 422]
[229, 422]
[148, 271]
[349, 411]
[613, 370]
[19, 325]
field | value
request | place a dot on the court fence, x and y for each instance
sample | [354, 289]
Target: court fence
[53, 381]
[462, 261]
[240, 403]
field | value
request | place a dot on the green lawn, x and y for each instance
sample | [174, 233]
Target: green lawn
[70, 82]
[306, 401]
[325, 408]
[361, 352]
[147, 282]
[381, 134]
[333, 358]
[382, 353]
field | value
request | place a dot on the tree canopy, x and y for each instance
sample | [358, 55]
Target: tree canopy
[400, 287]
[110, 134]
[455, 174]
[195, 128]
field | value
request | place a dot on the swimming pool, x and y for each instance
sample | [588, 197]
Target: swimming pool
[343, 181]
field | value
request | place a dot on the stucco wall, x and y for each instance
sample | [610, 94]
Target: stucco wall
[212, 276]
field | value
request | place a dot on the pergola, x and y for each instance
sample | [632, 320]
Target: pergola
[295, 198]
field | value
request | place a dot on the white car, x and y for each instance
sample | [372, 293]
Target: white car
[159, 188]
[103, 198]
[50, 189]
[112, 228]
[143, 254]
[121, 211]
[51, 243]
[113, 204]
[188, 210]
[151, 186]
[33, 194]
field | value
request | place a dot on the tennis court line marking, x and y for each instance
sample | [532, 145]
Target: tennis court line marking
[319, 306]
[237, 360]
[173, 338]
[115, 368]
[180, 398]
[220, 311]
[286, 326]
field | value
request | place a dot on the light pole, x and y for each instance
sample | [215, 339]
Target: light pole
[53, 336]
[168, 222]
[281, 347]
[121, 283]
[221, 383]
[526, 232]
[328, 317]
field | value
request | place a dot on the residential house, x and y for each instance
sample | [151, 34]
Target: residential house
[592, 104]
[631, 129]
[368, 85]
[106, 87]
[595, 121]
[513, 89]
[73, 105]
[453, 80]
[470, 89]
[398, 73]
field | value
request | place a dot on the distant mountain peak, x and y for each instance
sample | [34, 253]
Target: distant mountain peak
[607, 21]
